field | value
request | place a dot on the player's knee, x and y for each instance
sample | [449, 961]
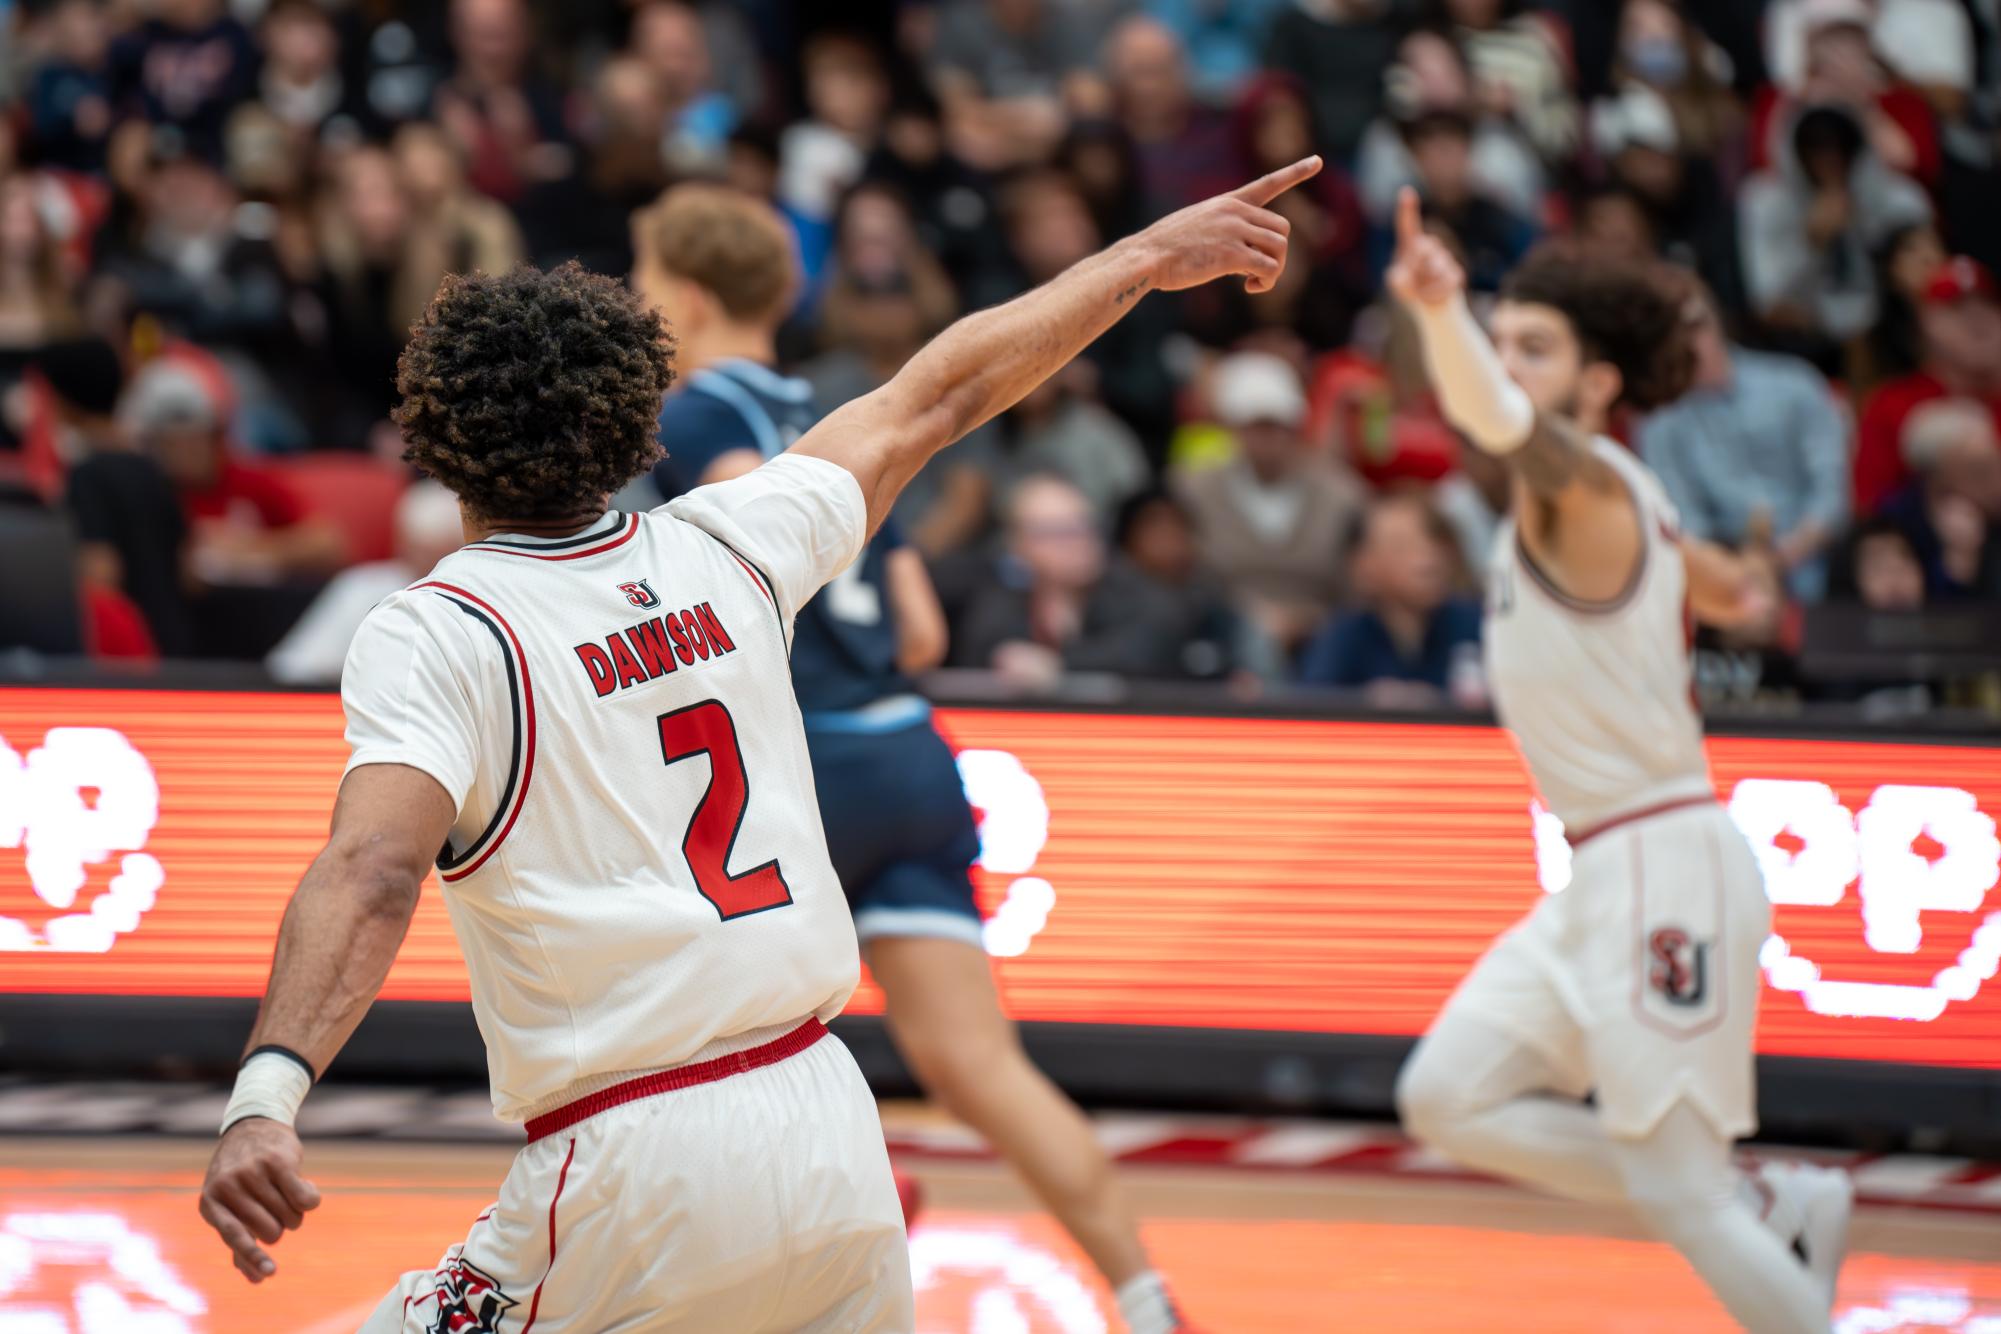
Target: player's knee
[954, 1067]
[1427, 1097]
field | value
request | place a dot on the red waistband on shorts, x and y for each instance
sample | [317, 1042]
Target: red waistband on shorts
[680, 1077]
[1578, 840]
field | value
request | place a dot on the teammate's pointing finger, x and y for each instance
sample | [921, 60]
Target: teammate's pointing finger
[1269, 187]
[1410, 219]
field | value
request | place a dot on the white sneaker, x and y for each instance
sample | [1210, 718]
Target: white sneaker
[1818, 1202]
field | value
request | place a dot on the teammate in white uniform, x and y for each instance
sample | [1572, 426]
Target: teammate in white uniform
[591, 714]
[1638, 984]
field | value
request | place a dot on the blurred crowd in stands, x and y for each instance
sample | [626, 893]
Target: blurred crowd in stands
[219, 217]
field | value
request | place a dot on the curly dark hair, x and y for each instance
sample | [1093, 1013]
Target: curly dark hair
[1630, 315]
[532, 394]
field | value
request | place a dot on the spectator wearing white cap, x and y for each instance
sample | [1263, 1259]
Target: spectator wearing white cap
[1642, 140]
[248, 525]
[427, 531]
[1273, 521]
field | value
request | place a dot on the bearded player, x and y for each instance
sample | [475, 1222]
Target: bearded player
[591, 714]
[1638, 984]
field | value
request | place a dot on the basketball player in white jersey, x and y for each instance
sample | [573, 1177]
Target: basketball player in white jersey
[586, 720]
[1637, 984]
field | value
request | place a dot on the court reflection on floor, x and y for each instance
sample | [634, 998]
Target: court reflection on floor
[100, 1237]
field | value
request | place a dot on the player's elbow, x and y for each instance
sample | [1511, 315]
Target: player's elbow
[383, 876]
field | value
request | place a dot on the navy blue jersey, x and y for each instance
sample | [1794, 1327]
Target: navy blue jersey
[844, 648]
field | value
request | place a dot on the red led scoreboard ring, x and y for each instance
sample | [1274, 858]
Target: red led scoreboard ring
[1274, 874]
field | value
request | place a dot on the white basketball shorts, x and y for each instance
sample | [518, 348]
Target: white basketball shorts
[1639, 982]
[746, 1192]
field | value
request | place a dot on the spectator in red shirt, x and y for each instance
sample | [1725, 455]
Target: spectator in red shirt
[1960, 321]
[248, 525]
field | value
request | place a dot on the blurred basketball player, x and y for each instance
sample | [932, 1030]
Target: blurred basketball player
[591, 714]
[1639, 982]
[718, 264]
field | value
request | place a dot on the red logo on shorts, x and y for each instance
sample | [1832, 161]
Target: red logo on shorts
[1680, 966]
[640, 594]
[469, 1300]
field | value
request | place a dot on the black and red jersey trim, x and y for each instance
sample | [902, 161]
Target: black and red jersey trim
[575, 548]
[453, 866]
[764, 586]
[1590, 606]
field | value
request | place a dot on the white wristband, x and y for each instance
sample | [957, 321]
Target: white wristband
[268, 1085]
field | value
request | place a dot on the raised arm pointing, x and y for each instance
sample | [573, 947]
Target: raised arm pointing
[989, 361]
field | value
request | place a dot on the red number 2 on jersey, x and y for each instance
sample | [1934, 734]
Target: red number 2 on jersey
[707, 729]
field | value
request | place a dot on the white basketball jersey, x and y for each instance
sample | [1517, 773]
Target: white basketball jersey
[638, 867]
[1598, 696]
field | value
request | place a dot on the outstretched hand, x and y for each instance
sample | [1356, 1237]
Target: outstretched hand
[1424, 272]
[1230, 234]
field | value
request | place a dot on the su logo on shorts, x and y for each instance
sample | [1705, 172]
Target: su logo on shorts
[640, 594]
[469, 1300]
[1678, 966]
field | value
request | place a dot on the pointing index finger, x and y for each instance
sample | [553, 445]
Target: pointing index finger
[1410, 221]
[1269, 187]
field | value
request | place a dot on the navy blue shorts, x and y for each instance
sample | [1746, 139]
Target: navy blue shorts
[901, 834]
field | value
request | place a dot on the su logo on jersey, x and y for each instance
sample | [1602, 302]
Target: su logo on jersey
[640, 594]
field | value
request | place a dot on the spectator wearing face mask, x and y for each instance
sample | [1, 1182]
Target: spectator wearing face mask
[1951, 510]
[1959, 322]
[1661, 51]
[1692, 222]
[1274, 519]
[1412, 643]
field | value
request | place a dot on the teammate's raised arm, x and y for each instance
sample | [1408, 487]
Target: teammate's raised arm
[989, 361]
[1474, 388]
[341, 932]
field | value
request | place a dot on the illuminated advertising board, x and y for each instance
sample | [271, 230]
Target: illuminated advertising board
[1274, 874]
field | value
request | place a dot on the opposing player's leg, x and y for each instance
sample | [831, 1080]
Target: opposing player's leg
[946, 1019]
[1680, 1182]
